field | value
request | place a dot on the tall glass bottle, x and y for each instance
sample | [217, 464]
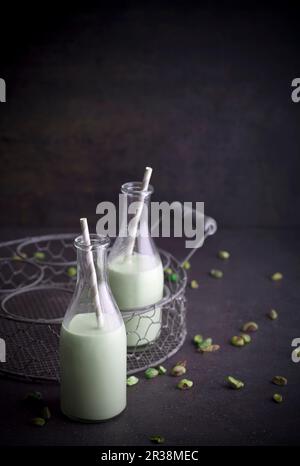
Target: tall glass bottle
[92, 357]
[135, 268]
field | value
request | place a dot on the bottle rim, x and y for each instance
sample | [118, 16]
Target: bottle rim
[135, 188]
[97, 241]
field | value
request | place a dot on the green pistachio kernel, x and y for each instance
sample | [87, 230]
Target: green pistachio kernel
[194, 284]
[38, 421]
[250, 327]
[277, 397]
[210, 349]
[72, 271]
[173, 277]
[33, 396]
[204, 344]
[198, 339]
[157, 439]
[247, 339]
[185, 384]
[19, 257]
[280, 380]
[186, 265]
[39, 255]
[237, 341]
[45, 413]
[223, 255]
[168, 271]
[132, 380]
[179, 369]
[275, 277]
[216, 273]
[273, 314]
[234, 383]
[151, 372]
[161, 370]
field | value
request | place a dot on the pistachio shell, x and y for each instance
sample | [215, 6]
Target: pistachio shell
[235, 383]
[277, 397]
[151, 372]
[279, 380]
[250, 327]
[237, 341]
[215, 273]
[38, 421]
[157, 439]
[194, 284]
[132, 380]
[275, 277]
[185, 384]
[272, 314]
[223, 255]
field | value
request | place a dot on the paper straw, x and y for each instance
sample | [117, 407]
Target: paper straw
[92, 271]
[136, 220]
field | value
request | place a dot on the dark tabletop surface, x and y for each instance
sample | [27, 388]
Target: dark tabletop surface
[210, 413]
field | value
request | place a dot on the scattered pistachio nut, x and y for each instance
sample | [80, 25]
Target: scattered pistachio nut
[173, 277]
[72, 271]
[277, 397]
[198, 339]
[132, 380]
[33, 396]
[194, 284]
[204, 344]
[223, 255]
[161, 370]
[275, 277]
[210, 349]
[250, 327]
[179, 369]
[39, 255]
[272, 314]
[247, 339]
[20, 256]
[237, 341]
[45, 413]
[185, 384]
[235, 383]
[216, 273]
[186, 265]
[38, 421]
[279, 380]
[168, 271]
[151, 372]
[157, 439]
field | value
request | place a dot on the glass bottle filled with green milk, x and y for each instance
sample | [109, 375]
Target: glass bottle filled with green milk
[92, 354]
[135, 269]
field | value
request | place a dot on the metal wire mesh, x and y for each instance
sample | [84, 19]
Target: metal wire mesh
[36, 289]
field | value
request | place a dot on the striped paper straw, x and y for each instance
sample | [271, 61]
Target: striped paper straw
[136, 220]
[92, 271]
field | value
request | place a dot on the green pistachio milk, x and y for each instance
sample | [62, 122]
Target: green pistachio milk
[93, 369]
[137, 281]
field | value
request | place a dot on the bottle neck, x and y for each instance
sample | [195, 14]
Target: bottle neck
[99, 258]
[135, 213]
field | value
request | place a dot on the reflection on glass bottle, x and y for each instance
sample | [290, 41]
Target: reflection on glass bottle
[135, 269]
[92, 356]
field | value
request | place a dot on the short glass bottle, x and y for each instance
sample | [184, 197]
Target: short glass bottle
[135, 269]
[92, 356]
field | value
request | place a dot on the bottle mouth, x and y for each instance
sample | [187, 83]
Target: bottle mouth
[135, 188]
[97, 241]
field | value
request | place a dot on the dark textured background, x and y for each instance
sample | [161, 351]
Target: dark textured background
[201, 94]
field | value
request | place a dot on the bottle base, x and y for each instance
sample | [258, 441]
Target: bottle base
[92, 421]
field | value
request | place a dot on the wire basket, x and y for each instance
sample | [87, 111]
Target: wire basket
[36, 290]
